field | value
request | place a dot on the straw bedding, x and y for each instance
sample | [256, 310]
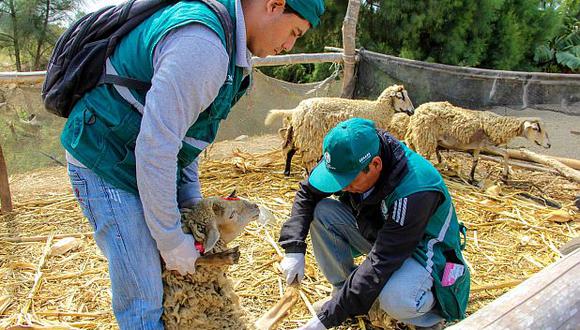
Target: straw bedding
[510, 237]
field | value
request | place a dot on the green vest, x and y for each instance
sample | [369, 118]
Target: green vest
[441, 242]
[102, 128]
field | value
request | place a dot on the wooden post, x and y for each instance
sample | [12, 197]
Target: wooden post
[5, 198]
[349, 46]
[547, 300]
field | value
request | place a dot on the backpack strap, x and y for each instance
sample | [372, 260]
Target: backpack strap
[121, 87]
[123, 83]
[226, 21]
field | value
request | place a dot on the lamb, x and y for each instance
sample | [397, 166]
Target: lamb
[206, 299]
[313, 118]
[440, 124]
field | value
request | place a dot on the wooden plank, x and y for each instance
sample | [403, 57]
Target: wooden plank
[5, 197]
[38, 76]
[296, 58]
[547, 300]
[518, 154]
[22, 77]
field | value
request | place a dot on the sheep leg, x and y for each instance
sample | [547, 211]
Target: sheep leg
[438, 154]
[279, 311]
[289, 156]
[473, 166]
[227, 257]
[506, 156]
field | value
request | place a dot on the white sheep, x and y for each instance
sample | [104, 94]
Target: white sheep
[440, 124]
[309, 122]
[206, 298]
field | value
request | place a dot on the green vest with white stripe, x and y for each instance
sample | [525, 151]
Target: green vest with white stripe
[103, 126]
[441, 243]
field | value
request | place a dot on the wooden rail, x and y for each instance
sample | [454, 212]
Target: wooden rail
[547, 300]
[38, 76]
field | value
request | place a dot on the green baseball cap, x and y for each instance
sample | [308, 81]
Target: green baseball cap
[311, 10]
[347, 149]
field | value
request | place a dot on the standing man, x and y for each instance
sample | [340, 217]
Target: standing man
[392, 206]
[133, 156]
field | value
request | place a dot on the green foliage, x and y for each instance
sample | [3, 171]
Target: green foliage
[495, 34]
[29, 29]
[562, 53]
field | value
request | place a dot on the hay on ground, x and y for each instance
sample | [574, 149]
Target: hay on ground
[510, 238]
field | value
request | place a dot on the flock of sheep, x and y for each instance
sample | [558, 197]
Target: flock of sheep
[206, 299]
[428, 128]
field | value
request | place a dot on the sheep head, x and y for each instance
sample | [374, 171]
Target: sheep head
[225, 218]
[396, 96]
[534, 130]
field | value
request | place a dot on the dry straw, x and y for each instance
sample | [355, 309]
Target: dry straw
[510, 237]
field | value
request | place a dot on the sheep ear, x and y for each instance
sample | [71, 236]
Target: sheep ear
[532, 125]
[212, 236]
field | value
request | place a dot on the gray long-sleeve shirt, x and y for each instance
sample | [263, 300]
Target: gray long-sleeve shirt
[190, 66]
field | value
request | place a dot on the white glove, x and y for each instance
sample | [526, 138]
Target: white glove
[293, 267]
[313, 324]
[183, 257]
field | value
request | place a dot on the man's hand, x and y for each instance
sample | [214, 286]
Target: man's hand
[183, 257]
[313, 324]
[293, 267]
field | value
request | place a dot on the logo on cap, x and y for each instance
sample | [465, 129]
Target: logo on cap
[364, 158]
[327, 160]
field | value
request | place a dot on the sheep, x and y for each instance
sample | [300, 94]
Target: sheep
[398, 125]
[313, 118]
[206, 299]
[440, 124]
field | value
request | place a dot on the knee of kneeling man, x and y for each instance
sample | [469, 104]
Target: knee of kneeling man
[323, 209]
[401, 306]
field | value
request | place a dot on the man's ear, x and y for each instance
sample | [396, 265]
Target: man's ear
[275, 5]
[377, 162]
[212, 235]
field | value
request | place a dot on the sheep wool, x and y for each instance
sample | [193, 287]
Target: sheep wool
[398, 125]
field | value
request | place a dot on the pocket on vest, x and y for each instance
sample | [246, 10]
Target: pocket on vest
[82, 136]
[451, 286]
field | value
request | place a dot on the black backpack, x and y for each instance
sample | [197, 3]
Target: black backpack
[78, 60]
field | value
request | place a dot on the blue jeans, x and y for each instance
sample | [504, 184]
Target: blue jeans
[122, 235]
[407, 296]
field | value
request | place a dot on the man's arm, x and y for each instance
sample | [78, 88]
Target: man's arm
[190, 67]
[396, 241]
[189, 188]
[294, 231]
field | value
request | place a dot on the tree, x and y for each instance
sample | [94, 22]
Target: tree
[29, 28]
[10, 32]
[562, 53]
[499, 34]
